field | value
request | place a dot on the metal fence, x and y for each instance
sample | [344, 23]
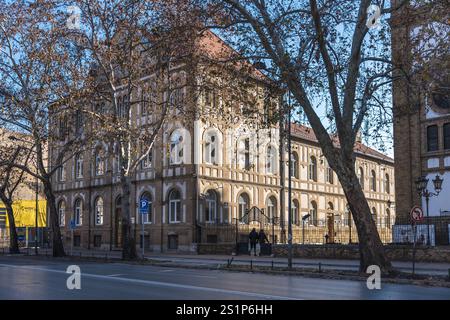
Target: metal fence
[433, 231]
[320, 232]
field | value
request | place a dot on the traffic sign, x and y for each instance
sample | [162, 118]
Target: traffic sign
[143, 206]
[72, 224]
[416, 214]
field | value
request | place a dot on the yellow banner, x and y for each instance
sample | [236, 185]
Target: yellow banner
[25, 213]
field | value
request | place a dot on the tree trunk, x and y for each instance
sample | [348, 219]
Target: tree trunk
[13, 242]
[57, 243]
[370, 246]
[129, 243]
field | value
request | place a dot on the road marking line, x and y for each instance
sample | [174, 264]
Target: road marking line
[159, 283]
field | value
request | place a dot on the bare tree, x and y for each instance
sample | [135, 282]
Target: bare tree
[37, 70]
[132, 47]
[329, 58]
[11, 179]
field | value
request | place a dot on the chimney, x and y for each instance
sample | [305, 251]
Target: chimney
[359, 136]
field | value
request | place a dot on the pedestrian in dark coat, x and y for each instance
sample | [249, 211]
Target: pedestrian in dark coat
[253, 236]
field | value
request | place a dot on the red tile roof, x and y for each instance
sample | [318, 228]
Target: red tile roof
[307, 133]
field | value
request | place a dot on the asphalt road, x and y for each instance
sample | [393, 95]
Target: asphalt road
[26, 278]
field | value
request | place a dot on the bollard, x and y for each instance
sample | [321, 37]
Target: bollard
[320, 267]
[251, 264]
[448, 275]
[272, 264]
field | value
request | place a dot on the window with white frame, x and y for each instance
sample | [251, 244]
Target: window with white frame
[329, 174]
[312, 174]
[147, 161]
[62, 213]
[294, 212]
[211, 147]
[147, 218]
[62, 173]
[176, 147]
[99, 210]
[271, 208]
[361, 177]
[373, 181]
[79, 166]
[174, 206]
[294, 165]
[99, 162]
[313, 214]
[387, 184]
[211, 206]
[78, 212]
[271, 160]
[243, 205]
[244, 153]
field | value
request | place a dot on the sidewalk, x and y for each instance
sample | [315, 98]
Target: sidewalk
[430, 268]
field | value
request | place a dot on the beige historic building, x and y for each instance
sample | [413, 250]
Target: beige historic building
[205, 176]
[422, 115]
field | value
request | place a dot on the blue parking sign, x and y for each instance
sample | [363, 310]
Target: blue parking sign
[143, 206]
[72, 224]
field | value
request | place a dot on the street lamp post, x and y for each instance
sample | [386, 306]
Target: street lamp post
[36, 218]
[422, 190]
[306, 216]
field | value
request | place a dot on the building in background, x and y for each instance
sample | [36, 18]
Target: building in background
[24, 205]
[421, 120]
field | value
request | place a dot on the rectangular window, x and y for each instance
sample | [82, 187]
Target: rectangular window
[173, 242]
[76, 241]
[433, 138]
[447, 136]
[97, 241]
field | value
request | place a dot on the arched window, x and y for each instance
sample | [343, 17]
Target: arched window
[211, 206]
[243, 204]
[147, 218]
[313, 213]
[79, 166]
[211, 148]
[78, 213]
[388, 218]
[147, 161]
[271, 160]
[62, 213]
[243, 153]
[99, 162]
[174, 206]
[432, 138]
[329, 174]
[387, 184]
[361, 177]
[373, 181]
[374, 215]
[99, 210]
[312, 174]
[177, 147]
[294, 212]
[62, 173]
[294, 165]
[271, 207]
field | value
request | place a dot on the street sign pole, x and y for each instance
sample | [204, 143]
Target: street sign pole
[416, 214]
[143, 209]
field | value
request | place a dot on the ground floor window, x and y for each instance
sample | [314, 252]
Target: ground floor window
[173, 242]
[97, 241]
[76, 241]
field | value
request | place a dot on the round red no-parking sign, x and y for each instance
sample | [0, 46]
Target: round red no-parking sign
[416, 214]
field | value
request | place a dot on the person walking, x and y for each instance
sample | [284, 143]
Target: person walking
[262, 237]
[253, 236]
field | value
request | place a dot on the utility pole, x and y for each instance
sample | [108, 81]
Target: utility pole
[289, 184]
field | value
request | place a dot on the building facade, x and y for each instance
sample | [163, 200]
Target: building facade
[210, 181]
[421, 114]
